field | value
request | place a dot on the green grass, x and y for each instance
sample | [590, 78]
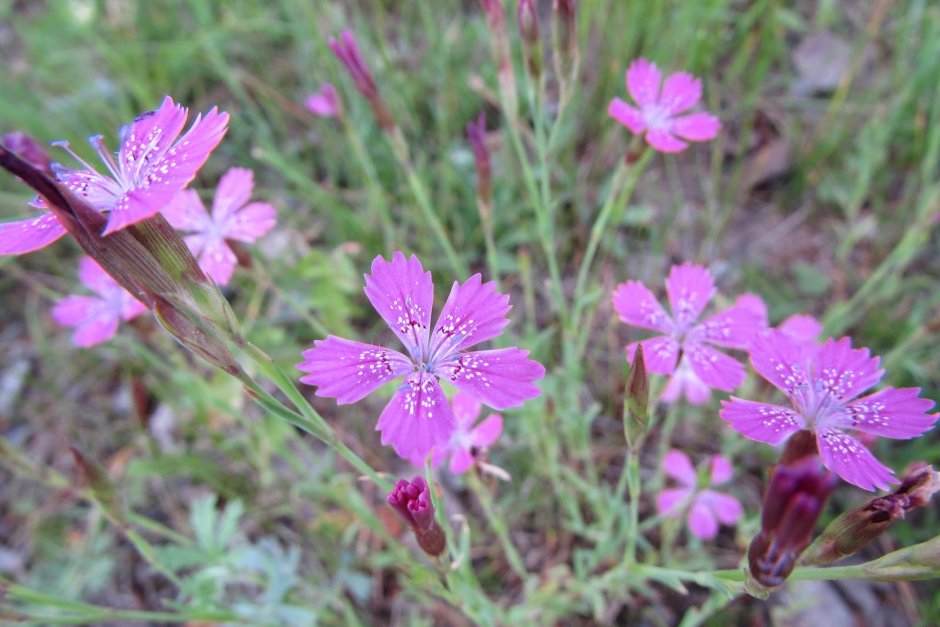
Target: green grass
[844, 230]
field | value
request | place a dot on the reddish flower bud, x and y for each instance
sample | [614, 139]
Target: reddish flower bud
[496, 20]
[412, 502]
[29, 150]
[347, 51]
[855, 529]
[794, 500]
[531, 39]
[476, 133]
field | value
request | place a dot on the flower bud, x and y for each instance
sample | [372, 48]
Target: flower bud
[636, 404]
[531, 39]
[324, 102]
[29, 150]
[476, 133]
[347, 51]
[496, 20]
[794, 500]
[565, 40]
[100, 484]
[412, 502]
[855, 529]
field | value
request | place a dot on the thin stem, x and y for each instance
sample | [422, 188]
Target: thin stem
[499, 526]
[632, 463]
[400, 148]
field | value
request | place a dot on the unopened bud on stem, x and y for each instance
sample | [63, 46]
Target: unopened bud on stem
[531, 38]
[855, 529]
[794, 500]
[347, 51]
[412, 502]
[636, 402]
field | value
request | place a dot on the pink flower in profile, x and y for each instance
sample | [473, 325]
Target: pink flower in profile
[232, 218]
[801, 327]
[152, 164]
[658, 112]
[684, 349]
[419, 418]
[706, 507]
[324, 102]
[823, 386]
[467, 439]
[96, 318]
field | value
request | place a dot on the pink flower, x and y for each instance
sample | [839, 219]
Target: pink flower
[324, 102]
[151, 166]
[683, 350]
[419, 418]
[823, 386]
[467, 440]
[232, 218]
[706, 507]
[96, 318]
[659, 111]
[801, 327]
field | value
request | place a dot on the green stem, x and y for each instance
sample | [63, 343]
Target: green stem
[499, 526]
[632, 463]
[306, 418]
[402, 154]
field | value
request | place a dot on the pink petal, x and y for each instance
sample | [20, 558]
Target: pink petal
[218, 261]
[761, 421]
[135, 206]
[95, 278]
[627, 115]
[685, 381]
[186, 212]
[487, 432]
[755, 304]
[251, 222]
[643, 80]
[499, 378]
[25, 236]
[461, 460]
[780, 360]
[897, 413]
[714, 368]
[418, 418]
[727, 508]
[474, 312]
[801, 327]
[734, 327]
[689, 288]
[702, 522]
[437, 457]
[660, 354]
[677, 465]
[232, 193]
[721, 469]
[636, 306]
[73, 310]
[664, 141]
[681, 91]
[697, 127]
[466, 408]
[196, 244]
[349, 370]
[403, 294]
[93, 320]
[845, 372]
[95, 331]
[145, 140]
[99, 191]
[131, 307]
[848, 458]
[669, 500]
